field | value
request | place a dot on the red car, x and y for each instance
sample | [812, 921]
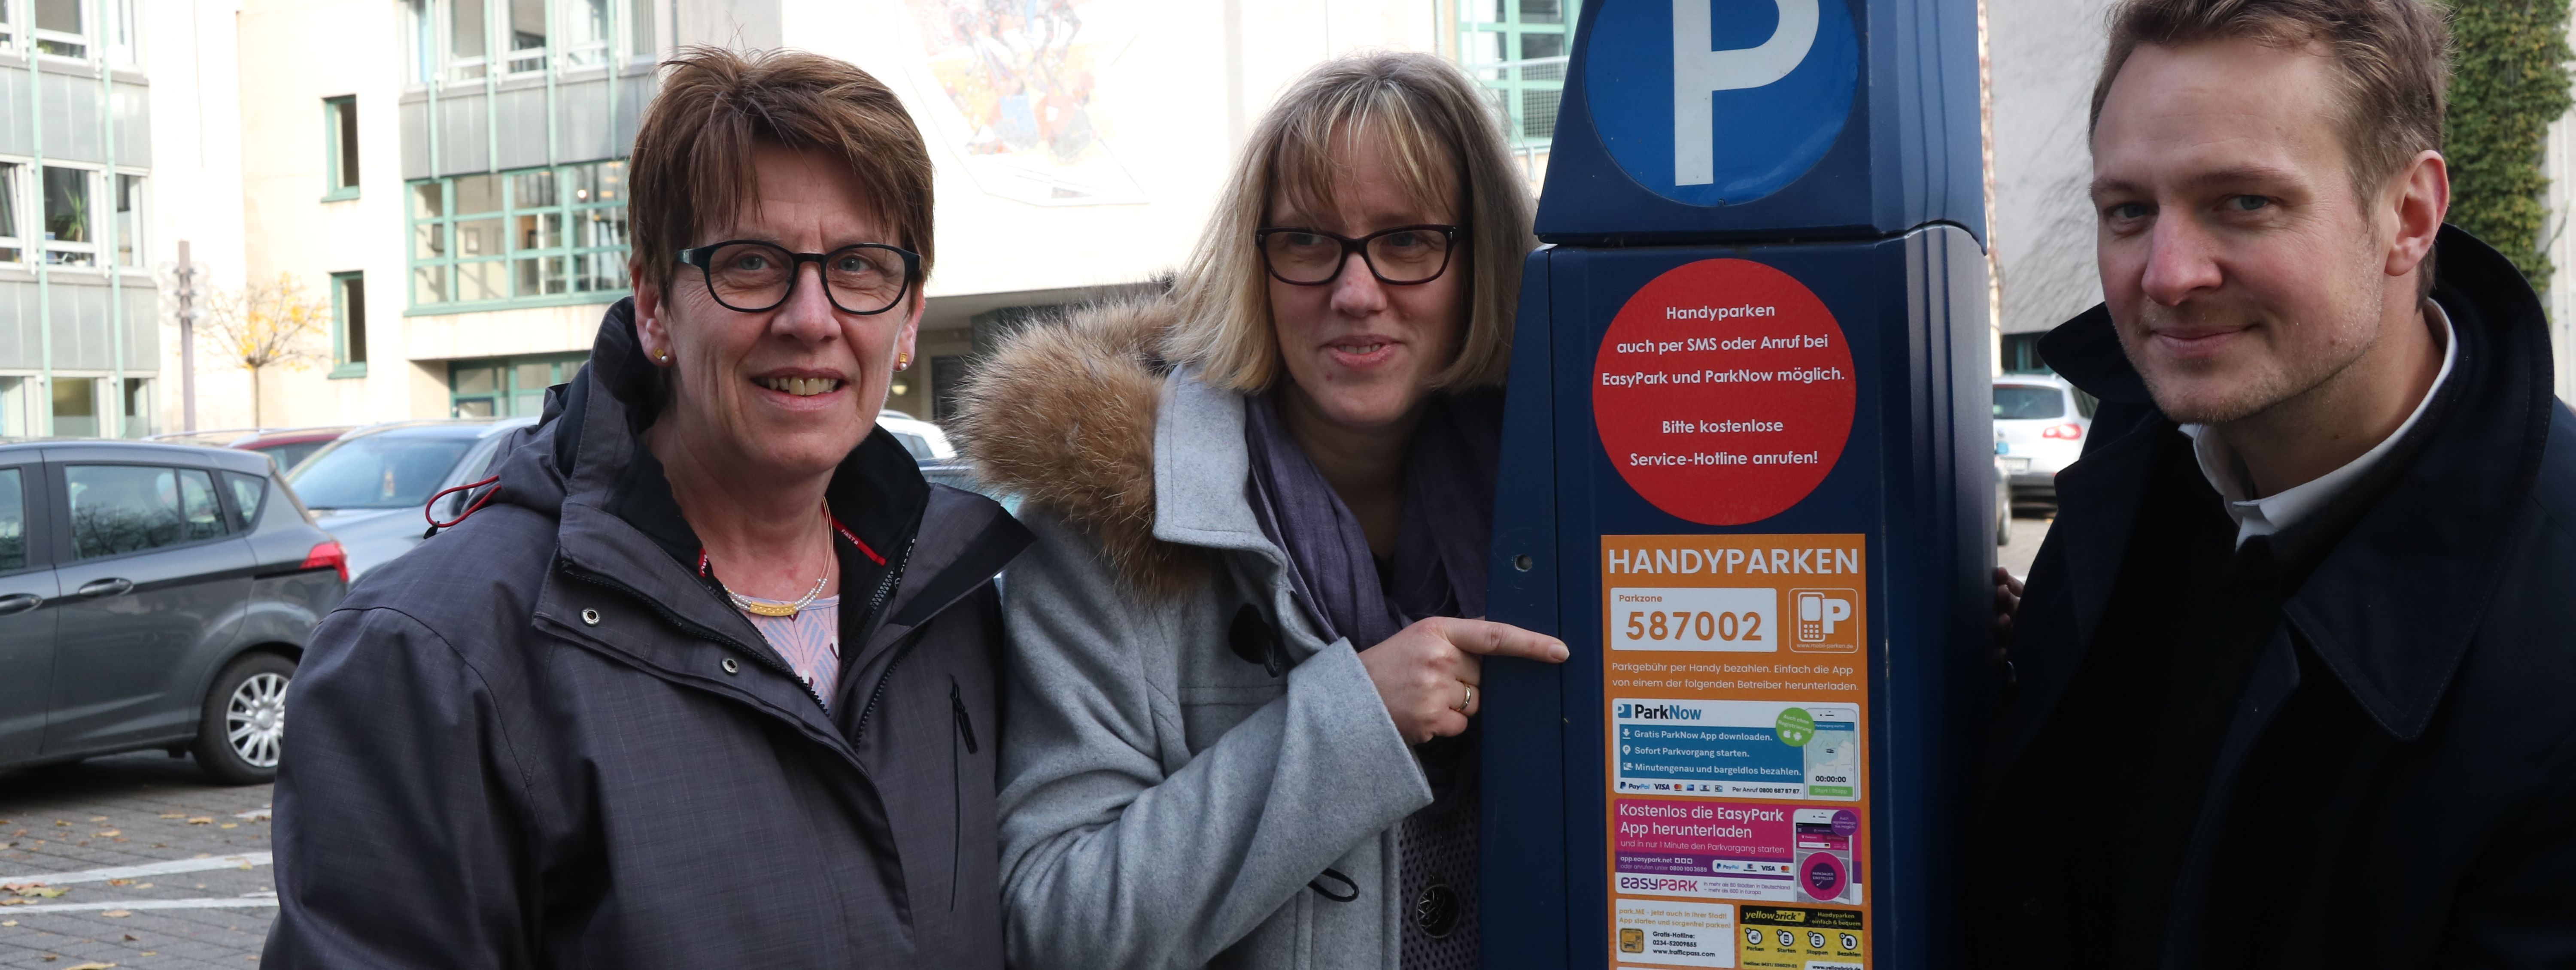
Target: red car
[286, 446]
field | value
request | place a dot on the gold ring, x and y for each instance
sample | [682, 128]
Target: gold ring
[1470, 700]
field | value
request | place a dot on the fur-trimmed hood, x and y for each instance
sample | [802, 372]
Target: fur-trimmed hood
[1063, 415]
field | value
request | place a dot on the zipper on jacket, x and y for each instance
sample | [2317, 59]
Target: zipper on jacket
[957, 791]
[885, 587]
[965, 725]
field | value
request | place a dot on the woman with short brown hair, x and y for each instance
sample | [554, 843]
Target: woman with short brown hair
[709, 681]
[1242, 660]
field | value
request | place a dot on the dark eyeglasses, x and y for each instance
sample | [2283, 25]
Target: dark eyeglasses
[750, 276]
[1402, 256]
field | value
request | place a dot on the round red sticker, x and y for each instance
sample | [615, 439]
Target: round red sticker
[1723, 391]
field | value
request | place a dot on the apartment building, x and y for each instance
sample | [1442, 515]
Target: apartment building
[450, 173]
[91, 91]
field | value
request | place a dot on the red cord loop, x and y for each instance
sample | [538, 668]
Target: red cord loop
[434, 524]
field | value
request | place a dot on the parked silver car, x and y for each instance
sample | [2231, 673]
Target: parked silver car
[369, 487]
[153, 596]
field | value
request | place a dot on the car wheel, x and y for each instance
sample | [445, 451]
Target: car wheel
[242, 730]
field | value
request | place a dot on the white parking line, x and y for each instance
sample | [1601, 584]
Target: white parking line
[242, 860]
[243, 902]
[254, 814]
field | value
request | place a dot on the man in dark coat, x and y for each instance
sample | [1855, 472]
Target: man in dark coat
[2291, 685]
[540, 741]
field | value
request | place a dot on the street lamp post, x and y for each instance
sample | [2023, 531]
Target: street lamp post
[187, 340]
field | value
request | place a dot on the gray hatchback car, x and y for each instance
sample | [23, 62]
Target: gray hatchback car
[153, 596]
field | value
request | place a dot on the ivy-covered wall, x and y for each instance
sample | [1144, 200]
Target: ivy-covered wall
[2508, 82]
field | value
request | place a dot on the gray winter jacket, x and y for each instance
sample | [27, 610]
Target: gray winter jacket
[1191, 776]
[540, 740]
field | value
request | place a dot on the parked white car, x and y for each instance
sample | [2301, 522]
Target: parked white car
[2040, 424]
[923, 439]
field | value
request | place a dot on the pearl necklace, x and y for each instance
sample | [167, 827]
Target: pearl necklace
[758, 608]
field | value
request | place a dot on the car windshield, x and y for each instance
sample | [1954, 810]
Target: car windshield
[2026, 402]
[377, 472]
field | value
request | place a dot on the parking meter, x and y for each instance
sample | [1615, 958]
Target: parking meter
[1747, 478]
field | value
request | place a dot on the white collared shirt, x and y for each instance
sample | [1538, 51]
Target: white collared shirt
[2273, 513]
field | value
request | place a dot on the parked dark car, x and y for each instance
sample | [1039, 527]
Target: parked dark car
[288, 446]
[368, 489]
[153, 596]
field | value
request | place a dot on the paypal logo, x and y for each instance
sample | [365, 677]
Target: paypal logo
[1720, 102]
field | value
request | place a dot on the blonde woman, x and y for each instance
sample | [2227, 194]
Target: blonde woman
[1242, 665]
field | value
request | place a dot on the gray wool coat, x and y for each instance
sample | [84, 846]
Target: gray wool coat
[1169, 799]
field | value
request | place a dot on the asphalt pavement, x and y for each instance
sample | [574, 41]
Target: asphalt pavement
[142, 861]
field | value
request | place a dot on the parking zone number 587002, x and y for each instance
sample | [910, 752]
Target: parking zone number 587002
[1703, 626]
[1695, 618]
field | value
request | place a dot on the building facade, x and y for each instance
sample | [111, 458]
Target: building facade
[450, 174]
[90, 92]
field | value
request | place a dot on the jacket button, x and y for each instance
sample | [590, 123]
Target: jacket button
[731, 667]
[2032, 908]
[590, 617]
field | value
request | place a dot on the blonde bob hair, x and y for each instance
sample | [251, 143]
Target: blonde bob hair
[1447, 148]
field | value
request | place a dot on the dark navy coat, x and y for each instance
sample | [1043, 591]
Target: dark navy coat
[2440, 627]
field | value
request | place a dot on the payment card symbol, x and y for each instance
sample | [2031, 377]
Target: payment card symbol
[1632, 941]
[1826, 620]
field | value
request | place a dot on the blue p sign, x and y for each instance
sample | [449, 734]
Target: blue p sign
[1712, 102]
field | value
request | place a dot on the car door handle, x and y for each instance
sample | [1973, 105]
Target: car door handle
[19, 603]
[106, 587]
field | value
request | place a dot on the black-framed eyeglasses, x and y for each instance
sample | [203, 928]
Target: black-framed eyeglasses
[750, 276]
[1402, 256]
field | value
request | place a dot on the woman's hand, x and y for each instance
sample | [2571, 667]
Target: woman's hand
[1424, 672]
[2007, 601]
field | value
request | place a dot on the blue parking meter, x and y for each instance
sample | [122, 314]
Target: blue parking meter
[1747, 479]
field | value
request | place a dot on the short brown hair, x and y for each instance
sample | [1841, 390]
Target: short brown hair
[1447, 146]
[692, 166]
[2393, 57]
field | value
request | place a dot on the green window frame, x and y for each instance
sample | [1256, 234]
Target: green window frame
[504, 387]
[340, 148]
[529, 237]
[1497, 37]
[348, 325]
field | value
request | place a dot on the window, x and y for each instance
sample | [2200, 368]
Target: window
[548, 235]
[138, 407]
[1517, 50]
[129, 220]
[130, 508]
[340, 148]
[506, 387]
[75, 407]
[13, 519]
[465, 39]
[69, 237]
[58, 28]
[248, 490]
[461, 40]
[13, 242]
[121, 43]
[349, 324]
[379, 471]
[2028, 402]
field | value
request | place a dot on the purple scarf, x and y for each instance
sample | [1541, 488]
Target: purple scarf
[1438, 569]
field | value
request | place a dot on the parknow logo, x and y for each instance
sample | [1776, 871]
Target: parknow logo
[1719, 102]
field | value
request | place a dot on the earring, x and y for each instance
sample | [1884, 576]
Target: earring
[903, 362]
[661, 357]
